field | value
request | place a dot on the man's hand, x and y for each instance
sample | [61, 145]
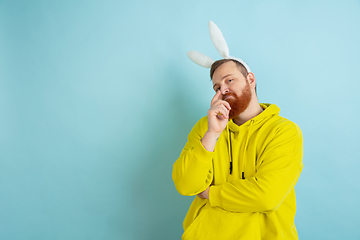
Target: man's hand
[218, 116]
[204, 194]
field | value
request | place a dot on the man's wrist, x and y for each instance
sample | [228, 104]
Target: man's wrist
[212, 135]
[209, 140]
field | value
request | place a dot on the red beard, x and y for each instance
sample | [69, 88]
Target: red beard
[238, 104]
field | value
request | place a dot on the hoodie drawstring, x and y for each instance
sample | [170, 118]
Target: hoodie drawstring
[243, 160]
[244, 153]
[229, 149]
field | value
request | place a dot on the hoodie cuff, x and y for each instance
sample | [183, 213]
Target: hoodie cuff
[215, 196]
[202, 155]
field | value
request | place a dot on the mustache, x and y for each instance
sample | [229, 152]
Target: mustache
[228, 94]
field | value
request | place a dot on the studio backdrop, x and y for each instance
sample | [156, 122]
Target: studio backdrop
[97, 99]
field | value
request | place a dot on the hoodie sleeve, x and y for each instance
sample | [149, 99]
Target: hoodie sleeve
[279, 170]
[192, 172]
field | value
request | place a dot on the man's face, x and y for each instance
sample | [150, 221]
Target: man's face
[234, 87]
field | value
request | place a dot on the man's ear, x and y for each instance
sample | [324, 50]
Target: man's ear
[251, 80]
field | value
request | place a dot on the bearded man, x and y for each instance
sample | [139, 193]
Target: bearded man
[241, 162]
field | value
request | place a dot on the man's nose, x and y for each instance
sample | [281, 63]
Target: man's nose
[225, 90]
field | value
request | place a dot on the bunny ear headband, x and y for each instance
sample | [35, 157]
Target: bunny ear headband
[220, 44]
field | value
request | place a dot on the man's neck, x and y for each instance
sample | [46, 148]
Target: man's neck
[251, 111]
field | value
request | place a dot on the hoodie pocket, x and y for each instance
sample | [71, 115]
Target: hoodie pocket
[216, 223]
[192, 232]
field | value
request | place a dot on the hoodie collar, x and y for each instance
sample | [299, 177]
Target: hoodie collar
[269, 110]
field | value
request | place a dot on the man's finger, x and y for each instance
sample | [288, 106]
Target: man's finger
[226, 104]
[222, 103]
[216, 97]
[223, 112]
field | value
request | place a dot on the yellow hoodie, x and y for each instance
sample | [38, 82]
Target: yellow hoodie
[257, 200]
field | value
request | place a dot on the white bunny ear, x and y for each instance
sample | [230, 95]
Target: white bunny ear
[218, 40]
[200, 59]
[221, 46]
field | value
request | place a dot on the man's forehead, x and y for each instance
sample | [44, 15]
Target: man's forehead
[225, 69]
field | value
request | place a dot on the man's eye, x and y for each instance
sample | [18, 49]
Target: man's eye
[230, 80]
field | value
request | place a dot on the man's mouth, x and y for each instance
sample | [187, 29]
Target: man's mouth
[227, 97]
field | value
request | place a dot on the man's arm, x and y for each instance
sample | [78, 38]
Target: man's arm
[192, 171]
[280, 167]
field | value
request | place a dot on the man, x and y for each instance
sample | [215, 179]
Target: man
[242, 162]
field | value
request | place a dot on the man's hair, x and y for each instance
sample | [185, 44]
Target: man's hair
[217, 63]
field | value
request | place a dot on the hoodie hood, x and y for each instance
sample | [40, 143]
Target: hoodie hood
[269, 111]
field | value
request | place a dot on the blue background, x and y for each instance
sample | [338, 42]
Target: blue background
[97, 99]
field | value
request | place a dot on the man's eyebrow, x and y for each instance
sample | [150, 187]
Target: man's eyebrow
[226, 76]
[222, 79]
